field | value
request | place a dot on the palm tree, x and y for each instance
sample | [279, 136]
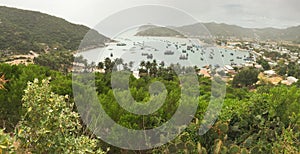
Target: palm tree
[100, 65]
[108, 65]
[153, 69]
[148, 66]
[142, 67]
[92, 66]
[119, 61]
[162, 64]
[143, 64]
[131, 64]
[125, 67]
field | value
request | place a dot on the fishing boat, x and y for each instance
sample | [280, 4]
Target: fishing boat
[169, 52]
[150, 56]
[183, 57]
[217, 65]
[144, 54]
[121, 44]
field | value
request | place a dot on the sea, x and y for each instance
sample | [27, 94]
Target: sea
[170, 50]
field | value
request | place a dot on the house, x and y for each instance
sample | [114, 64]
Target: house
[272, 64]
[249, 65]
[270, 73]
[78, 67]
[258, 66]
[136, 74]
[204, 72]
[99, 71]
[289, 80]
[228, 69]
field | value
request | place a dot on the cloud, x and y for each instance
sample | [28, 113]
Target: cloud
[247, 13]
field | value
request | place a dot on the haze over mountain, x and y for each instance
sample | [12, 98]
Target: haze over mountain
[23, 30]
[151, 30]
[227, 31]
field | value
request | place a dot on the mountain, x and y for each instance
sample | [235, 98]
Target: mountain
[215, 30]
[23, 30]
[158, 31]
[145, 27]
[226, 31]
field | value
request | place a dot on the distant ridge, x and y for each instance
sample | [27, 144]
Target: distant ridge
[23, 30]
[160, 31]
[227, 31]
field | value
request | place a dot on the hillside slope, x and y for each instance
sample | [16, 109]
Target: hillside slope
[159, 31]
[226, 31]
[23, 30]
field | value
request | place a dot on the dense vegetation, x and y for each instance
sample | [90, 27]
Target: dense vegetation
[17, 78]
[266, 120]
[22, 31]
[38, 113]
[56, 60]
[292, 69]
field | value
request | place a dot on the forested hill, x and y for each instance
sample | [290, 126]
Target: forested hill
[22, 30]
[227, 31]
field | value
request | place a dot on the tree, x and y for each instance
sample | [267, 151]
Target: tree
[142, 67]
[6, 143]
[56, 60]
[100, 65]
[119, 61]
[49, 125]
[148, 66]
[131, 64]
[18, 76]
[247, 77]
[108, 65]
[264, 64]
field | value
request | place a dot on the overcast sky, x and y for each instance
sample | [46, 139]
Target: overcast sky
[246, 13]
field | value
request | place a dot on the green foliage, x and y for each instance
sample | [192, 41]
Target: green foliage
[49, 125]
[245, 78]
[264, 120]
[22, 31]
[6, 143]
[288, 142]
[292, 69]
[264, 64]
[18, 76]
[56, 60]
[234, 149]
